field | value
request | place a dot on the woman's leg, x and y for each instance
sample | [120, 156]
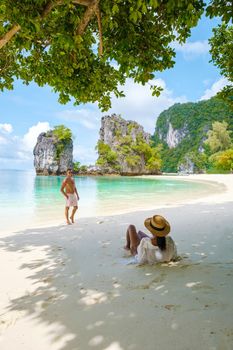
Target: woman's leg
[132, 239]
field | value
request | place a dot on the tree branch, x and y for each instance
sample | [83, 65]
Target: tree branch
[98, 15]
[82, 2]
[47, 9]
[90, 11]
[51, 4]
[7, 37]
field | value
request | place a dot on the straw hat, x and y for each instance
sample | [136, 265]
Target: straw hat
[157, 225]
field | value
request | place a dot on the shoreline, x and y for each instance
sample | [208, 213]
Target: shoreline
[75, 288]
[222, 180]
[219, 183]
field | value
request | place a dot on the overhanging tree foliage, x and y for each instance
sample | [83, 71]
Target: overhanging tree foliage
[222, 44]
[55, 42]
[222, 56]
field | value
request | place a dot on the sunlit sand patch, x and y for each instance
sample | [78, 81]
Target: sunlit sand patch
[114, 346]
[171, 264]
[97, 340]
[164, 292]
[160, 287]
[193, 284]
[152, 284]
[91, 297]
[116, 284]
[199, 285]
[174, 326]
[94, 325]
[201, 254]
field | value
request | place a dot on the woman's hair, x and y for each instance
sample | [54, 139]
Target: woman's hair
[161, 241]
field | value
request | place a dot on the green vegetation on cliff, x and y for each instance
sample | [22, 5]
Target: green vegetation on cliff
[191, 121]
[219, 149]
[223, 161]
[107, 157]
[78, 168]
[62, 136]
[131, 151]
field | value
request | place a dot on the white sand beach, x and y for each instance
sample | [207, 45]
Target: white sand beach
[75, 288]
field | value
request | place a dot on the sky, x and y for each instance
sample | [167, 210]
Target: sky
[29, 110]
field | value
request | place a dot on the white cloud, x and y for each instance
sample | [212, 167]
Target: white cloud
[139, 104]
[30, 138]
[3, 140]
[18, 150]
[6, 128]
[85, 155]
[11, 148]
[192, 50]
[216, 87]
[88, 117]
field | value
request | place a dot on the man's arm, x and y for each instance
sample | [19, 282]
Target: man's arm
[63, 188]
[75, 190]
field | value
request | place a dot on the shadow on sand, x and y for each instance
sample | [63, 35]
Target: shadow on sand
[86, 298]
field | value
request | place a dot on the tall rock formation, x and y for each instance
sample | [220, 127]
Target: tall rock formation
[122, 147]
[52, 157]
[182, 130]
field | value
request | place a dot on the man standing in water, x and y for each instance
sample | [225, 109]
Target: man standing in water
[68, 189]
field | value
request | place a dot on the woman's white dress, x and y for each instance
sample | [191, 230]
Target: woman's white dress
[150, 254]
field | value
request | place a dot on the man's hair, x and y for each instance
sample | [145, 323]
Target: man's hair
[69, 169]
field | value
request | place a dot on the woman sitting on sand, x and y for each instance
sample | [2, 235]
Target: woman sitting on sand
[158, 248]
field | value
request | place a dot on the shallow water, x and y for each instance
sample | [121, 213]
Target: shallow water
[28, 200]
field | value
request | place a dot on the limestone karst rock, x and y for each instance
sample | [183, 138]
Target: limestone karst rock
[119, 147]
[182, 131]
[48, 157]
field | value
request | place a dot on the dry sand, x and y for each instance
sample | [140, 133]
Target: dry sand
[73, 288]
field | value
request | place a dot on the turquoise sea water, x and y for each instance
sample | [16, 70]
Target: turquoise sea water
[28, 200]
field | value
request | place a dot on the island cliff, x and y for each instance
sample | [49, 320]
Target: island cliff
[182, 130]
[124, 148]
[53, 152]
